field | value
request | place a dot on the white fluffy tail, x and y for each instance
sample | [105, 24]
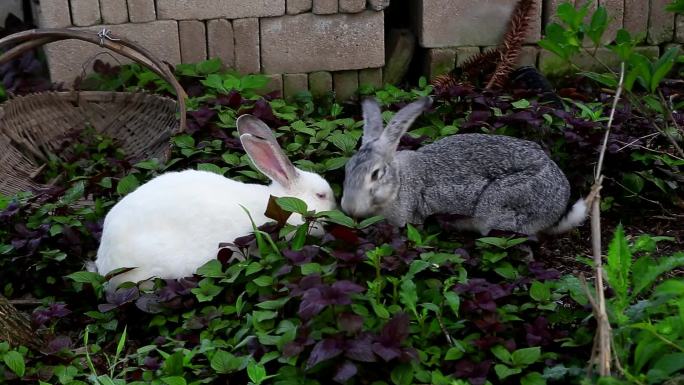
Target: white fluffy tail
[573, 218]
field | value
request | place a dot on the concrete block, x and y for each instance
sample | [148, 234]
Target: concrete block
[346, 84]
[14, 7]
[660, 23]
[66, 58]
[220, 41]
[54, 14]
[679, 33]
[439, 61]
[528, 56]
[325, 7]
[401, 45]
[636, 16]
[294, 84]
[467, 22]
[193, 41]
[616, 14]
[274, 85]
[295, 7]
[465, 53]
[247, 56]
[378, 5]
[85, 12]
[309, 42]
[371, 77]
[114, 11]
[320, 83]
[141, 11]
[212, 9]
[549, 8]
[352, 6]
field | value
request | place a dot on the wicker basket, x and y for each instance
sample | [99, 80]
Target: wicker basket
[31, 126]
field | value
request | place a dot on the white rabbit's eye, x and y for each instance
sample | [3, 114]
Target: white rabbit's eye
[321, 195]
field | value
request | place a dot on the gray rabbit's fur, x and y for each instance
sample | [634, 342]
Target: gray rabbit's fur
[497, 182]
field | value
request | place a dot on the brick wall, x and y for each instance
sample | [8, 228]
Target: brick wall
[322, 45]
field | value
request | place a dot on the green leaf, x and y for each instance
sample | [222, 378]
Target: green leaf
[502, 354]
[254, 82]
[214, 81]
[370, 221]
[521, 104]
[74, 193]
[402, 375]
[211, 269]
[618, 266]
[633, 182]
[173, 364]
[210, 168]
[299, 240]
[122, 342]
[533, 378]
[224, 362]
[540, 291]
[336, 216]
[256, 372]
[662, 67]
[344, 142]
[526, 356]
[408, 295]
[507, 271]
[503, 371]
[263, 281]
[95, 279]
[273, 304]
[15, 361]
[127, 184]
[598, 24]
[646, 271]
[175, 380]
[453, 354]
[413, 234]
[453, 300]
[209, 66]
[608, 80]
[293, 205]
[645, 350]
[264, 315]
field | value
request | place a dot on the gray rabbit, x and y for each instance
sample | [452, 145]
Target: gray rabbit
[496, 182]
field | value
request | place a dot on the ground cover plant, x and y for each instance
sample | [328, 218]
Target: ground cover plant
[367, 303]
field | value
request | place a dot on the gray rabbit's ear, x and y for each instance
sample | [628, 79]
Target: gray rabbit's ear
[402, 120]
[270, 159]
[372, 121]
[249, 124]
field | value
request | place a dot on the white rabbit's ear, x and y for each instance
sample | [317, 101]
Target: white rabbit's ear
[270, 159]
[372, 120]
[401, 122]
[249, 124]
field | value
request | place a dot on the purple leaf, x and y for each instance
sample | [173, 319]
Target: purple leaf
[58, 344]
[123, 296]
[350, 323]
[360, 348]
[387, 353]
[348, 287]
[324, 350]
[345, 371]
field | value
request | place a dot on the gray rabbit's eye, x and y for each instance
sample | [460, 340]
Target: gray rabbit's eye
[375, 175]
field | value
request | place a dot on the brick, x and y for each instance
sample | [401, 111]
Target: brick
[274, 85]
[324, 7]
[636, 16]
[438, 27]
[295, 7]
[66, 58]
[660, 23]
[246, 32]
[322, 43]
[401, 44]
[14, 7]
[193, 41]
[616, 13]
[465, 53]
[212, 9]
[54, 14]
[221, 41]
[85, 12]
[439, 61]
[549, 11]
[352, 6]
[378, 5]
[371, 77]
[141, 11]
[294, 84]
[320, 84]
[673, 45]
[114, 11]
[346, 84]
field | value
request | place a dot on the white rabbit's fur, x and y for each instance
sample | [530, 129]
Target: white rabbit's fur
[173, 224]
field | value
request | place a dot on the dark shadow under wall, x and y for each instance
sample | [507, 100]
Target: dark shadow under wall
[400, 15]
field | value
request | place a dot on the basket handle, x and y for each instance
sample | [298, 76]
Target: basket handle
[28, 40]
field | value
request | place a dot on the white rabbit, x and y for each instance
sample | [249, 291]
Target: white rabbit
[174, 223]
